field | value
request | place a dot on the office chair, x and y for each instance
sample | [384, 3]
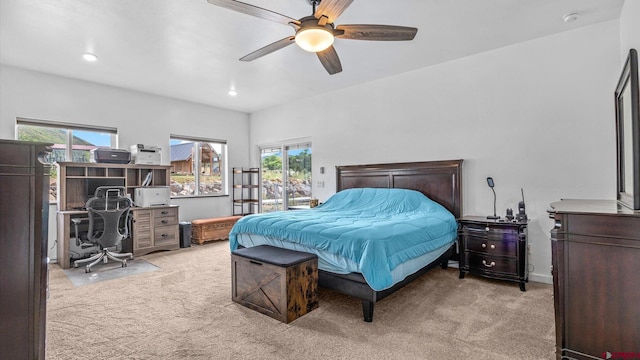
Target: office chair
[108, 212]
[81, 248]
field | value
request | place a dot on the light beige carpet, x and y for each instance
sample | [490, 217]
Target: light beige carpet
[184, 311]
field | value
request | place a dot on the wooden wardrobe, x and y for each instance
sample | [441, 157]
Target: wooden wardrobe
[24, 211]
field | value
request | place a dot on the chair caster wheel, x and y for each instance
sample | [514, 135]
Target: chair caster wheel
[124, 264]
[87, 270]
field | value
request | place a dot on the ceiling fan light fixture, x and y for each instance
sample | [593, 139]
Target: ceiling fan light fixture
[314, 39]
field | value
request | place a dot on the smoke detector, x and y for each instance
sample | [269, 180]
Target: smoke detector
[571, 17]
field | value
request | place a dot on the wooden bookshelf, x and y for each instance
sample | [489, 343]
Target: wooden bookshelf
[74, 178]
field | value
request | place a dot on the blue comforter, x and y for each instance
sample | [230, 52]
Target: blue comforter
[378, 229]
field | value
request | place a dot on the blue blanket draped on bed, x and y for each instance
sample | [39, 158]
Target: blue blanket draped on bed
[378, 229]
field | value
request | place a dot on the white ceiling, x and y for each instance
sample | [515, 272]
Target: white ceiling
[189, 49]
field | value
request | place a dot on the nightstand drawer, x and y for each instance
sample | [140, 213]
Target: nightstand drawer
[492, 247]
[492, 263]
[492, 233]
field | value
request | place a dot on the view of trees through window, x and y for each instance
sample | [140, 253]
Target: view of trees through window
[287, 183]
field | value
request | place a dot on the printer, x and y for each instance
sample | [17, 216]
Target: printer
[110, 156]
[145, 154]
[151, 196]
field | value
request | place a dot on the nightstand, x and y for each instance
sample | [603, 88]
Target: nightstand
[494, 249]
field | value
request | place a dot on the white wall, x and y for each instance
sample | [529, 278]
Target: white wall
[629, 28]
[536, 115]
[140, 119]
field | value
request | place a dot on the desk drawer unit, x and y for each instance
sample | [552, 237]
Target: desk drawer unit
[165, 235]
[493, 249]
[155, 229]
[165, 216]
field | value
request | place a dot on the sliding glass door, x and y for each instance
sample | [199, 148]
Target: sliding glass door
[286, 176]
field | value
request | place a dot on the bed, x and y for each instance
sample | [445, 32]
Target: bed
[370, 254]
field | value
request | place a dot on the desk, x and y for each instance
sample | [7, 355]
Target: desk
[152, 229]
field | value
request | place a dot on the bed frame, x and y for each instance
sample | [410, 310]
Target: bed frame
[439, 180]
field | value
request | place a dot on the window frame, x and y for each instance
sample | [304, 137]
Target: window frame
[68, 153]
[284, 148]
[223, 159]
[69, 128]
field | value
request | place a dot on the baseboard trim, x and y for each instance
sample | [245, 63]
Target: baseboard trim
[546, 279]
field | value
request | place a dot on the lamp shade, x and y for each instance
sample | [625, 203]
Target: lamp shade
[314, 39]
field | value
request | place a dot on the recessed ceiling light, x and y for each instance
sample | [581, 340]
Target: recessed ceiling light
[571, 17]
[233, 92]
[89, 57]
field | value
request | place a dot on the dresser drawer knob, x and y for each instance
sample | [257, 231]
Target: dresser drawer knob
[487, 229]
[164, 221]
[491, 264]
[492, 246]
[484, 246]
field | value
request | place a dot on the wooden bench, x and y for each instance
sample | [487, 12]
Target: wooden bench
[212, 229]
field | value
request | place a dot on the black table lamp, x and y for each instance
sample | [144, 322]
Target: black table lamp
[491, 185]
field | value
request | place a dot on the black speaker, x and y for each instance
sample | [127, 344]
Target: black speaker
[185, 234]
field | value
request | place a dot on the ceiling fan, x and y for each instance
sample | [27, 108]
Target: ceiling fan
[316, 33]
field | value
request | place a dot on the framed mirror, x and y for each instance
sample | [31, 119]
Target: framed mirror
[628, 133]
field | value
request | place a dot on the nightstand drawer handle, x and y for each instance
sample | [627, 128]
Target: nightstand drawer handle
[492, 264]
[492, 246]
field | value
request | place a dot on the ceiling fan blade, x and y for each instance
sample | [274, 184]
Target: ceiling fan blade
[330, 60]
[331, 9]
[376, 32]
[254, 11]
[269, 48]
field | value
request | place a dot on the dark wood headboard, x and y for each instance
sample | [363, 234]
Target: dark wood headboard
[441, 181]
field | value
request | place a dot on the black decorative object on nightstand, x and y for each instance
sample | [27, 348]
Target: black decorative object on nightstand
[493, 248]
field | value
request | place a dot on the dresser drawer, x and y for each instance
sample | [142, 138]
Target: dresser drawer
[492, 247]
[491, 263]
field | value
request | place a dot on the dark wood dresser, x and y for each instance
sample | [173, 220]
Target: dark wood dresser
[24, 211]
[595, 248]
[494, 248]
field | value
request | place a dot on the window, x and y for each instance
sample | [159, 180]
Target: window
[286, 176]
[198, 166]
[71, 142]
